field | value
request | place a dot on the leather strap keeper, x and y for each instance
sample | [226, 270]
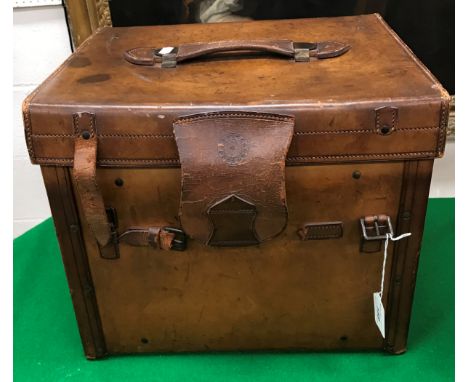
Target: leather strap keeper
[92, 202]
[153, 236]
[233, 182]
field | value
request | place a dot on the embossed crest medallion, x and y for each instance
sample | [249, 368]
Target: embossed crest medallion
[232, 148]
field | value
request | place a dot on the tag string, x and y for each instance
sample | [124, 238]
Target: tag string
[389, 237]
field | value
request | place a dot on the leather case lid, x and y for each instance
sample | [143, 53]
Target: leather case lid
[335, 101]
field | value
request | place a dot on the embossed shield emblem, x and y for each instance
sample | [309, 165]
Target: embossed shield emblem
[232, 148]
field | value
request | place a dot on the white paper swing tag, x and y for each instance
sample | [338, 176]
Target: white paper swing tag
[379, 313]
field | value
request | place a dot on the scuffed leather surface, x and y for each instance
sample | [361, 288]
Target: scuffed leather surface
[84, 176]
[240, 154]
[285, 293]
[333, 101]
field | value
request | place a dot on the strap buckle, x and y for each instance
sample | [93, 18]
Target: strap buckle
[376, 227]
[179, 242]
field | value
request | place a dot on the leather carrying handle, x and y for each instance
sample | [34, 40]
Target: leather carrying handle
[300, 51]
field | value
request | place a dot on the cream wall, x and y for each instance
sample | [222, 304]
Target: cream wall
[41, 43]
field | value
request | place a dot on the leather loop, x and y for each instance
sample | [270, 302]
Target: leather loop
[386, 119]
[91, 200]
[156, 237]
[84, 175]
[233, 181]
[170, 56]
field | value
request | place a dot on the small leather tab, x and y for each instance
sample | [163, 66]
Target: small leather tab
[330, 49]
[386, 119]
[141, 56]
[233, 182]
[320, 231]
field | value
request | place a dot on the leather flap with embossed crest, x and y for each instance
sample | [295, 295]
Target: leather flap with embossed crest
[233, 182]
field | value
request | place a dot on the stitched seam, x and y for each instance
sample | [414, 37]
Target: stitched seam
[136, 136]
[27, 125]
[443, 124]
[331, 235]
[268, 117]
[140, 160]
[215, 212]
[331, 226]
[91, 125]
[70, 160]
[168, 136]
[421, 153]
[362, 131]
[124, 136]
[291, 159]
[77, 127]
[394, 114]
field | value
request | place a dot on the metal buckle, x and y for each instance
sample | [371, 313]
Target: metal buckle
[302, 51]
[376, 227]
[179, 243]
[167, 59]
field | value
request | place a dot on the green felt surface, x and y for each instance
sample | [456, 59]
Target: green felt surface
[47, 345]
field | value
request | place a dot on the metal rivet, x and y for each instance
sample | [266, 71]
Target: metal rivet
[385, 130]
[119, 182]
[406, 215]
[86, 135]
[356, 174]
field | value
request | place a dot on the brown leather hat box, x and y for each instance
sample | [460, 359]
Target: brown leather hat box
[234, 186]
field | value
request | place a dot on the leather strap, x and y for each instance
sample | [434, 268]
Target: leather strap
[84, 175]
[233, 182]
[153, 236]
[170, 56]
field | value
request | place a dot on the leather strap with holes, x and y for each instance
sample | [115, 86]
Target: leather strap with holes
[84, 176]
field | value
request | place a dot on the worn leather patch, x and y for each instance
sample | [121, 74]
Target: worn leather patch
[233, 182]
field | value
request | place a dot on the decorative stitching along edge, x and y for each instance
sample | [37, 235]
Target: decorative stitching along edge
[443, 127]
[172, 162]
[228, 114]
[28, 129]
[171, 136]
[378, 124]
[91, 125]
